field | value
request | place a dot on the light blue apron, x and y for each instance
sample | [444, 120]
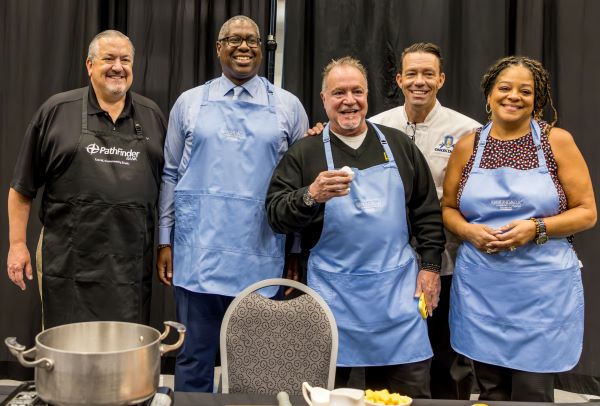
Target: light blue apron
[365, 269]
[222, 241]
[520, 309]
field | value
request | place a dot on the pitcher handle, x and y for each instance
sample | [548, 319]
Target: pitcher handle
[18, 351]
[164, 348]
[306, 388]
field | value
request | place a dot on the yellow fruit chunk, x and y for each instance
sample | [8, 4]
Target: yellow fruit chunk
[423, 305]
[384, 397]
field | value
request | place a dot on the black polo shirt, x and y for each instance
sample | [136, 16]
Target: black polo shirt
[53, 134]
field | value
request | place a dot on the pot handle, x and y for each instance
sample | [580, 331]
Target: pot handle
[18, 351]
[164, 348]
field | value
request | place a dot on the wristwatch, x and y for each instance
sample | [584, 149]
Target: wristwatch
[308, 199]
[540, 231]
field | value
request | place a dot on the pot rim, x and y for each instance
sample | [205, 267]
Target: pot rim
[56, 350]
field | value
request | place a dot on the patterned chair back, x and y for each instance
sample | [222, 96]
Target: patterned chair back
[268, 346]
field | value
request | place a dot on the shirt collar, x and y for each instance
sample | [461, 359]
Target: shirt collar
[94, 106]
[250, 86]
[430, 116]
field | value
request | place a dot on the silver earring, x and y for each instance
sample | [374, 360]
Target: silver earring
[488, 109]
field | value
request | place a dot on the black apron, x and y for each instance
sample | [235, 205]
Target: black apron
[98, 230]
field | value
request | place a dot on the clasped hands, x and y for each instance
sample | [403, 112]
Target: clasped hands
[506, 238]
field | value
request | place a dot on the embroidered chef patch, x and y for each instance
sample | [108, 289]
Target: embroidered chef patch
[447, 144]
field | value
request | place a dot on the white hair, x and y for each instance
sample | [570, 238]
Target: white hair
[94, 47]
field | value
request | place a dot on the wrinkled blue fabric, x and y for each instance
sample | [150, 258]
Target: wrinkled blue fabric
[365, 269]
[222, 240]
[520, 309]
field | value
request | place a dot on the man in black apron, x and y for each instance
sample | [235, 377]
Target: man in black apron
[98, 152]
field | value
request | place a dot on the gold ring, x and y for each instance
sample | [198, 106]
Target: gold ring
[512, 248]
[489, 251]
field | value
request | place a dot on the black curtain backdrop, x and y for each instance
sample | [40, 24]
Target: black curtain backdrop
[44, 44]
[43, 50]
[563, 34]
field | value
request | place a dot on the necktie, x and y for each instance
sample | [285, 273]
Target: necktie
[237, 91]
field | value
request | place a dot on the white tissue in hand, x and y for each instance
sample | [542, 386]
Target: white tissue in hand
[348, 171]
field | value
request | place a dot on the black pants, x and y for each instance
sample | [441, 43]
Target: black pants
[407, 379]
[451, 373]
[499, 383]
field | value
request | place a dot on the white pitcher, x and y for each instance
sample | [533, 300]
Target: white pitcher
[316, 396]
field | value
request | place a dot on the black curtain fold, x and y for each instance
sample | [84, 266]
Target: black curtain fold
[376, 32]
[175, 42]
[43, 50]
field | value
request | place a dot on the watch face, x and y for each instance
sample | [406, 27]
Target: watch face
[308, 199]
[542, 239]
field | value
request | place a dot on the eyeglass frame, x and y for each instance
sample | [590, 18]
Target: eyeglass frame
[242, 40]
[413, 128]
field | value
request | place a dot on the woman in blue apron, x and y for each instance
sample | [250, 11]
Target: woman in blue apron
[514, 191]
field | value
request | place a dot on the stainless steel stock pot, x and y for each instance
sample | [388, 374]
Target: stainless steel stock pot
[97, 363]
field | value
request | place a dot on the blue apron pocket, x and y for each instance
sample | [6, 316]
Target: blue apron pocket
[368, 299]
[376, 313]
[225, 223]
[521, 297]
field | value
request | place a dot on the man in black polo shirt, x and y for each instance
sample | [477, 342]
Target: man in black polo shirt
[98, 152]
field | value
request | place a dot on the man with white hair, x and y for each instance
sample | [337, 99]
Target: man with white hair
[98, 153]
[358, 194]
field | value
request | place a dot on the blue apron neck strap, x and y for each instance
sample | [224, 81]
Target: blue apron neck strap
[483, 135]
[384, 143]
[327, 145]
[270, 90]
[535, 135]
[206, 91]
[329, 155]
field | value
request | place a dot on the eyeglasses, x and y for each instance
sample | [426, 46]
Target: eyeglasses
[411, 130]
[235, 41]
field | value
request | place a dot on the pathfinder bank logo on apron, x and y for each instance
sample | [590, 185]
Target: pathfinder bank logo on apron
[115, 155]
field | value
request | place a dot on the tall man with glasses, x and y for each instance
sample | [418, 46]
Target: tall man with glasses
[223, 141]
[435, 129]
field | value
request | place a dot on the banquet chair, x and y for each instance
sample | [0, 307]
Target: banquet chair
[268, 346]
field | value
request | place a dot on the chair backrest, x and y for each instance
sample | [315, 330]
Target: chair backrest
[268, 346]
